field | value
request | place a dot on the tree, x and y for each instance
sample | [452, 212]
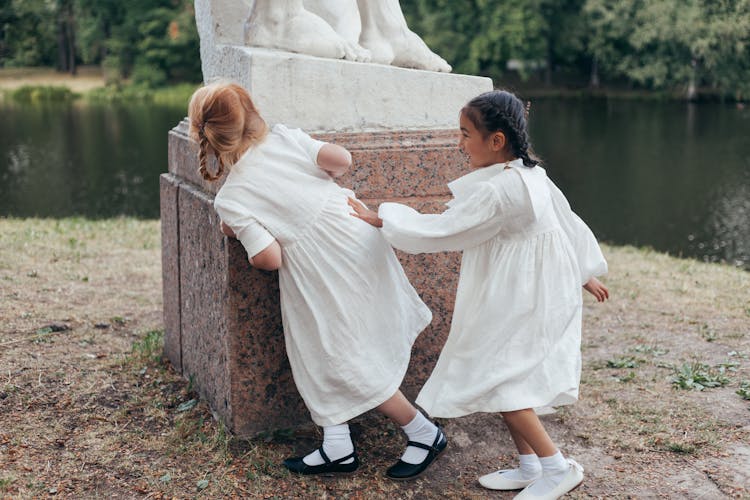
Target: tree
[66, 45]
[28, 32]
[479, 36]
[724, 49]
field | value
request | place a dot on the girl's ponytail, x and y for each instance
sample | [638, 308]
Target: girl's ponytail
[225, 122]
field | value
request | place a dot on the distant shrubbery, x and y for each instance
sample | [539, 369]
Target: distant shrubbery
[33, 94]
[687, 46]
[669, 46]
[149, 42]
[173, 95]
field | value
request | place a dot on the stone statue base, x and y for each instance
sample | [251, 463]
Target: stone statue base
[318, 94]
[222, 317]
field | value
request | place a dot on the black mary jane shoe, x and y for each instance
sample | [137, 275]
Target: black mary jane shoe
[402, 471]
[297, 465]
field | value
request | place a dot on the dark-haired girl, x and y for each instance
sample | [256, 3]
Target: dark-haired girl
[514, 343]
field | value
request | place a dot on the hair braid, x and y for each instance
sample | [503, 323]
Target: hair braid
[521, 144]
[203, 159]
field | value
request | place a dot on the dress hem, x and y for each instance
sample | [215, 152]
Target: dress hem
[382, 396]
[561, 399]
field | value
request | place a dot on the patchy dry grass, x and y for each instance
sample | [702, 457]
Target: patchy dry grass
[88, 407]
[88, 78]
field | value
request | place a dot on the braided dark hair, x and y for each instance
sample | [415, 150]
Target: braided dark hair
[501, 111]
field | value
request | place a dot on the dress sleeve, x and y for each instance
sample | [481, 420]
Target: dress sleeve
[591, 261]
[251, 233]
[310, 145]
[466, 224]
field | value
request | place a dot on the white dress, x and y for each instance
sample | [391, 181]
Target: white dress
[515, 336]
[349, 313]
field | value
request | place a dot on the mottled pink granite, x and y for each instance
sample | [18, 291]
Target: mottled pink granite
[170, 265]
[229, 339]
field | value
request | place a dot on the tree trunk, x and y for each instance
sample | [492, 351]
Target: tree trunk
[548, 69]
[62, 58]
[692, 92]
[66, 51]
[71, 38]
[594, 78]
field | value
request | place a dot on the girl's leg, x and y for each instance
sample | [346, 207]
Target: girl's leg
[529, 434]
[337, 443]
[398, 409]
[416, 426]
[528, 471]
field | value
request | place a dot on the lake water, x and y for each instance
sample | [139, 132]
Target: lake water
[673, 176]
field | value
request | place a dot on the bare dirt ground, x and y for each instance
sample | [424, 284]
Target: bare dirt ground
[89, 409]
[87, 78]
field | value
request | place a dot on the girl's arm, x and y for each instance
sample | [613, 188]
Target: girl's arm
[268, 259]
[465, 224]
[227, 230]
[334, 159]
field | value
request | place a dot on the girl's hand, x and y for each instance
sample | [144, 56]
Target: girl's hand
[227, 230]
[597, 289]
[364, 213]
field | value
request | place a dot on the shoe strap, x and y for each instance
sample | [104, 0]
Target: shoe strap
[338, 460]
[438, 438]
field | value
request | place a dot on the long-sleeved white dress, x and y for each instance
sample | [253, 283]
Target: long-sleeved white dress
[515, 336]
[349, 313]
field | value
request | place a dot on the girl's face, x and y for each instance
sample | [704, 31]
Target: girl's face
[482, 151]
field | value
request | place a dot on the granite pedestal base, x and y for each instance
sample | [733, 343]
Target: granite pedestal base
[222, 317]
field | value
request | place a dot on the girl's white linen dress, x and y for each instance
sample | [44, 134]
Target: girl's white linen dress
[349, 313]
[515, 336]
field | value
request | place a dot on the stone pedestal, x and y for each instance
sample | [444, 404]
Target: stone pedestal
[222, 317]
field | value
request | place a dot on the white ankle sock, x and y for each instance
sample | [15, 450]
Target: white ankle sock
[530, 468]
[554, 469]
[337, 443]
[419, 430]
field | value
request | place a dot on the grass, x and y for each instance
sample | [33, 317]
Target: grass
[744, 390]
[112, 418]
[150, 347]
[623, 362]
[177, 95]
[699, 376]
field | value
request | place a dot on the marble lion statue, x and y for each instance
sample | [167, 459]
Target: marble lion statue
[356, 30]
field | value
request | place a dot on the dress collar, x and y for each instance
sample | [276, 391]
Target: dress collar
[464, 185]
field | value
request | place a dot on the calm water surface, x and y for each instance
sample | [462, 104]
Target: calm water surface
[672, 176]
[59, 160]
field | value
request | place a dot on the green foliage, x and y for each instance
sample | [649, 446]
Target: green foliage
[149, 348]
[623, 362]
[669, 46]
[744, 390]
[664, 45]
[37, 94]
[152, 41]
[698, 376]
[27, 33]
[479, 37]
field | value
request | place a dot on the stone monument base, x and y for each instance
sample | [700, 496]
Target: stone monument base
[222, 317]
[318, 94]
